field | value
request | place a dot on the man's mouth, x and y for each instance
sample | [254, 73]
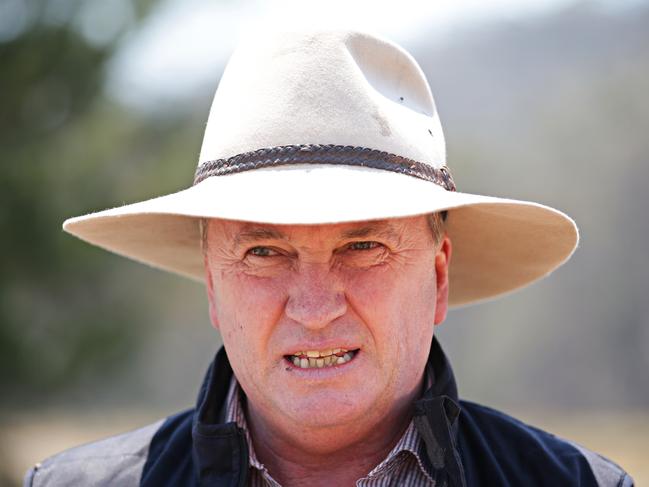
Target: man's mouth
[318, 359]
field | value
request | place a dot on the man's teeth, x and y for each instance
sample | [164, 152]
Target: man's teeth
[311, 359]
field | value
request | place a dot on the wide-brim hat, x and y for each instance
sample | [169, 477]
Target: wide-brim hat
[329, 127]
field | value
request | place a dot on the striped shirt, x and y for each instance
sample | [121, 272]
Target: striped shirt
[404, 465]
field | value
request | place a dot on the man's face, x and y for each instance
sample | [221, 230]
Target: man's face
[363, 296]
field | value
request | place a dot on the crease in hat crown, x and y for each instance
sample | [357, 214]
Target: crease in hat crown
[348, 93]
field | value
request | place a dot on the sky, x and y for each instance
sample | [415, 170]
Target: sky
[184, 45]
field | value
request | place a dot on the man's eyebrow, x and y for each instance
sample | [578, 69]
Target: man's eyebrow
[378, 229]
[374, 229]
[255, 234]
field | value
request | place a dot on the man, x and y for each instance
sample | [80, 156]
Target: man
[331, 238]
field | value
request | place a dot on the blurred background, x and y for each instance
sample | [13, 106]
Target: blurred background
[104, 103]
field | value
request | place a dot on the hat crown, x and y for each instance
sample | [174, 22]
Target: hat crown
[325, 87]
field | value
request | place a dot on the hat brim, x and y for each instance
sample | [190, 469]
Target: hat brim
[499, 244]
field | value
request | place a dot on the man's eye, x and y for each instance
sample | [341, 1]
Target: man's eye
[363, 245]
[262, 252]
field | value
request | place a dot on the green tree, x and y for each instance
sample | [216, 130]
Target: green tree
[56, 131]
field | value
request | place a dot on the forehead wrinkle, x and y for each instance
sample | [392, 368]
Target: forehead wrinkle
[256, 234]
[379, 228]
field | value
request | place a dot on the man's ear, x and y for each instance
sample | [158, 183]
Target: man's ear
[442, 263]
[209, 285]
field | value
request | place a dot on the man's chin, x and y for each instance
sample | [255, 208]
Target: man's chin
[327, 410]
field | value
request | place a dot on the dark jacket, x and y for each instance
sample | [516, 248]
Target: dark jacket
[467, 445]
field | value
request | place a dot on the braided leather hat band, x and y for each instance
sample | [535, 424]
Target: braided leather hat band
[324, 154]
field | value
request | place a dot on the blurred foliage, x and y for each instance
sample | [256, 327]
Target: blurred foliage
[65, 313]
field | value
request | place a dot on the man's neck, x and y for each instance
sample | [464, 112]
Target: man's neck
[327, 456]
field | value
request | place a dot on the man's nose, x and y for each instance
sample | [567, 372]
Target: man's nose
[316, 297]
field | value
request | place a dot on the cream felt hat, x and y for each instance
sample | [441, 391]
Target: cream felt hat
[333, 126]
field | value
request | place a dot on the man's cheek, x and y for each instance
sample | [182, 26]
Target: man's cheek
[370, 292]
